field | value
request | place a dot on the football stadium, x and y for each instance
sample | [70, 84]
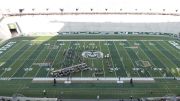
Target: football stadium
[89, 50]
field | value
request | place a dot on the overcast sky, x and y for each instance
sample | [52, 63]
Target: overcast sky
[171, 4]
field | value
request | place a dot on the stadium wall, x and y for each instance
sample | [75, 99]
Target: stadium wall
[4, 30]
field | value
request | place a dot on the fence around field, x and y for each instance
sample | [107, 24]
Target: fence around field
[19, 98]
[91, 79]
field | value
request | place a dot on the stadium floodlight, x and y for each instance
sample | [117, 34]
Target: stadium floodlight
[61, 9]
[21, 10]
[91, 9]
[77, 9]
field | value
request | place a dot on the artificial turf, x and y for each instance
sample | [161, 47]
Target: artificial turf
[22, 56]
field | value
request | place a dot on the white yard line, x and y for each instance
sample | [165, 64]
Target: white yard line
[150, 60]
[159, 59]
[24, 61]
[15, 46]
[59, 48]
[120, 58]
[111, 59]
[2, 73]
[178, 58]
[13, 62]
[65, 54]
[83, 58]
[170, 45]
[92, 62]
[53, 53]
[73, 57]
[139, 58]
[84, 44]
[130, 59]
[74, 54]
[17, 49]
[34, 61]
[20, 87]
[149, 40]
[166, 58]
[102, 61]
[43, 61]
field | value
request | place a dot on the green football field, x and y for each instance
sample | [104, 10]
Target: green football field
[129, 56]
